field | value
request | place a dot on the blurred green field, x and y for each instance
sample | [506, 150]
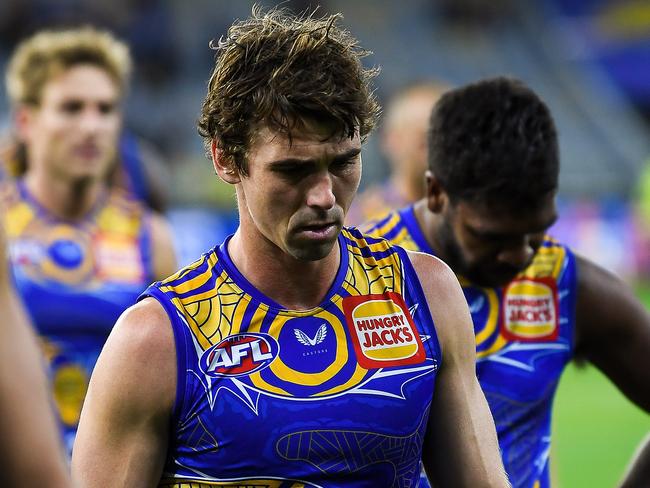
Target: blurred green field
[595, 428]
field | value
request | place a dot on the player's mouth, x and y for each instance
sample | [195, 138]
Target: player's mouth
[87, 151]
[319, 231]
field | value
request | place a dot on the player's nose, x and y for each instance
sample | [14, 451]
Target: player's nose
[517, 254]
[321, 192]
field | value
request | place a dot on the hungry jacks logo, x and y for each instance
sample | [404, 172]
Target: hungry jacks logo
[530, 310]
[382, 331]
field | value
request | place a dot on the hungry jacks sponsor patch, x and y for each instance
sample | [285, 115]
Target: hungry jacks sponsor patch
[382, 331]
[530, 310]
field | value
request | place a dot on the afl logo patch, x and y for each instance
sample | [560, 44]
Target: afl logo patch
[530, 310]
[382, 331]
[239, 355]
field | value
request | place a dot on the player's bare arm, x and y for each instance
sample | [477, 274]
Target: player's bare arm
[613, 331]
[638, 473]
[31, 452]
[460, 448]
[123, 431]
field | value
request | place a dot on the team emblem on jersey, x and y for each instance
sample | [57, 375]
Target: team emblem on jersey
[239, 355]
[382, 331]
[530, 310]
[305, 340]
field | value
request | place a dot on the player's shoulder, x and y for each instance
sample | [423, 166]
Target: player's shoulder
[144, 328]
[136, 370]
[595, 281]
[446, 301]
[432, 271]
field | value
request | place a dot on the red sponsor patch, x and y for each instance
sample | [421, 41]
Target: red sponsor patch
[118, 258]
[531, 310]
[382, 331]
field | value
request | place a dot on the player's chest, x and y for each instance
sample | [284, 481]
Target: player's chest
[523, 335]
[369, 342]
[76, 255]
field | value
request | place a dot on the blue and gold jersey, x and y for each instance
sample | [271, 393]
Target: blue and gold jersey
[337, 395]
[524, 339]
[75, 279]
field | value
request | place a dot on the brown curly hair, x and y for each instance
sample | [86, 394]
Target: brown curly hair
[277, 69]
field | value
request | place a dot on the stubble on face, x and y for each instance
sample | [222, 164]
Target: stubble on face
[298, 189]
[500, 228]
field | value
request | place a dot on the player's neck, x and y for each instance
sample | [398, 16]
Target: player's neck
[429, 224]
[295, 284]
[64, 198]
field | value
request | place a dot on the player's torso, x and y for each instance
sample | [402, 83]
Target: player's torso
[333, 396]
[524, 339]
[75, 280]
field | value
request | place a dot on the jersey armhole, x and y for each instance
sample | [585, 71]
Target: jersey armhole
[181, 345]
[146, 245]
[572, 269]
[412, 281]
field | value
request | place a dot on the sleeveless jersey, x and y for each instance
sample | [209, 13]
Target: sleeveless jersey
[75, 279]
[524, 339]
[337, 395]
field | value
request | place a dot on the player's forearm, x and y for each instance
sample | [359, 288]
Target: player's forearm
[465, 451]
[32, 453]
[100, 466]
[638, 473]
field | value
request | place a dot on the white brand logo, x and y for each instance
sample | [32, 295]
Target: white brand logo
[305, 340]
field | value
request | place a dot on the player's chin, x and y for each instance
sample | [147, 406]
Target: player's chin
[310, 249]
[494, 278]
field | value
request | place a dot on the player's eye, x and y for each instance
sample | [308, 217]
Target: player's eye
[293, 171]
[72, 107]
[106, 108]
[341, 165]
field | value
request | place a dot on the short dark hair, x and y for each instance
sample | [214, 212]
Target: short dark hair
[278, 69]
[494, 142]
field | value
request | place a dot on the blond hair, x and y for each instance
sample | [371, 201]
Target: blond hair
[48, 53]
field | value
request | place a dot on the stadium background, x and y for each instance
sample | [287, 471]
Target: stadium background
[589, 59]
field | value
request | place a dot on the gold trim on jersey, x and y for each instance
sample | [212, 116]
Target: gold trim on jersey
[492, 321]
[392, 222]
[548, 261]
[17, 218]
[381, 274]
[285, 373]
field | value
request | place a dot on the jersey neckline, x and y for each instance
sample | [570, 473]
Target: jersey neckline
[240, 280]
[44, 213]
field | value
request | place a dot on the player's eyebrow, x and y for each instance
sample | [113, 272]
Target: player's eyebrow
[346, 156]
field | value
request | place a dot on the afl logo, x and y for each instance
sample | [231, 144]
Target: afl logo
[239, 355]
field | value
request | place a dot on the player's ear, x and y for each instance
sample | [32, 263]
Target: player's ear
[223, 166]
[23, 117]
[436, 196]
